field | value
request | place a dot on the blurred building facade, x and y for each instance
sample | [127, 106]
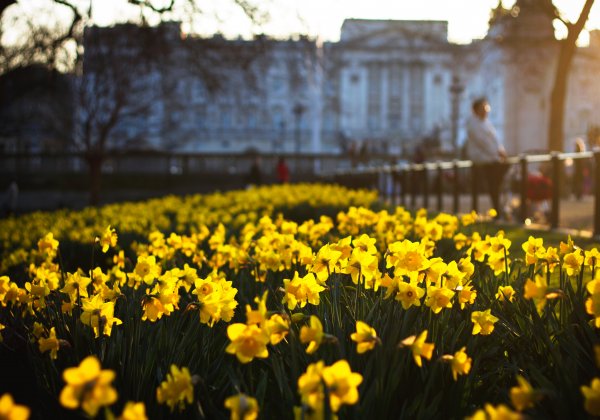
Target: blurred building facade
[385, 87]
[516, 71]
[36, 110]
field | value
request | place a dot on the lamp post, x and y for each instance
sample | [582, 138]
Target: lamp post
[279, 137]
[298, 111]
[456, 90]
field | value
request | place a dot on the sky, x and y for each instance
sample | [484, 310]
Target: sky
[467, 19]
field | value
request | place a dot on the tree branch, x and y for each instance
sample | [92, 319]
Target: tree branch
[150, 5]
[4, 4]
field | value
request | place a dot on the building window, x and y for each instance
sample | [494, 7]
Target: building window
[201, 116]
[278, 84]
[395, 96]
[417, 92]
[226, 117]
[251, 117]
[277, 119]
[374, 97]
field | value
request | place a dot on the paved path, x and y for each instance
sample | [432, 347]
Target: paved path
[573, 214]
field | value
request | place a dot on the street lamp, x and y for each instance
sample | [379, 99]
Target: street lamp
[298, 111]
[456, 90]
[279, 137]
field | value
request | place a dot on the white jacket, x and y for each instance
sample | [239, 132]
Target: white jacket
[482, 141]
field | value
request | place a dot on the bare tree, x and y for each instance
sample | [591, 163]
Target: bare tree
[112, 86]
[48, 42]
[65, 35]
[566, 53]
[117, 89]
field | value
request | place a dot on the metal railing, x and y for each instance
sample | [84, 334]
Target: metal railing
[164, 163]
[401, 184]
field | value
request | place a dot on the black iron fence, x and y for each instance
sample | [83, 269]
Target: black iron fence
[529, 180]
[445, 186]
[51, 170]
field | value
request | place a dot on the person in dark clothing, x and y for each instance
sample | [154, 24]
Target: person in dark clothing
[254, 177]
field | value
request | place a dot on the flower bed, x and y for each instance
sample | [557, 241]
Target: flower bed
[249, 304]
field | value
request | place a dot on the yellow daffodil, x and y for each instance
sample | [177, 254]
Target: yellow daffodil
[498, 262]
[177, 390]
[51, 344]
[216, 299]
[133, 411]
[466, 295]
[108, 239]
[76, 286]
[361, 267]
[438, 298]
[324, 262]
[468, 218]
[364, 243]
[483, 322]
[592, 258]
[365, 337]
[419, 347]
[592, 397]
[278, 327]
[88, 387]
[592, 304]
[342, 384]
[312, 335]
[409, 294]
[48, 245]
[300, 291]
[242, 407]
[536, 290]
[146, 269]
[460, 240]
[247, 342]
[523, 396]
[566, 247]
[460, 363]
[11, 411]
[573, 262]
[534, 250]
[499, 412]
[119, 259]
[5, 285]
[153, 309]
[99, 315]
[505, 293]
[310, 385]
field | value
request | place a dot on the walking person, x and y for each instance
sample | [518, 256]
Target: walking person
[254, 177]
[12, 198]
[486, 151]
[283, 172]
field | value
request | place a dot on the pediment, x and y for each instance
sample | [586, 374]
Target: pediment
[394, 39]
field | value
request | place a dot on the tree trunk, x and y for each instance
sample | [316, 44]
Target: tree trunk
[558, 96]
[95, 167]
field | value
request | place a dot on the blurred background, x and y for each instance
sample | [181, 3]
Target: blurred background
[104, 101]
